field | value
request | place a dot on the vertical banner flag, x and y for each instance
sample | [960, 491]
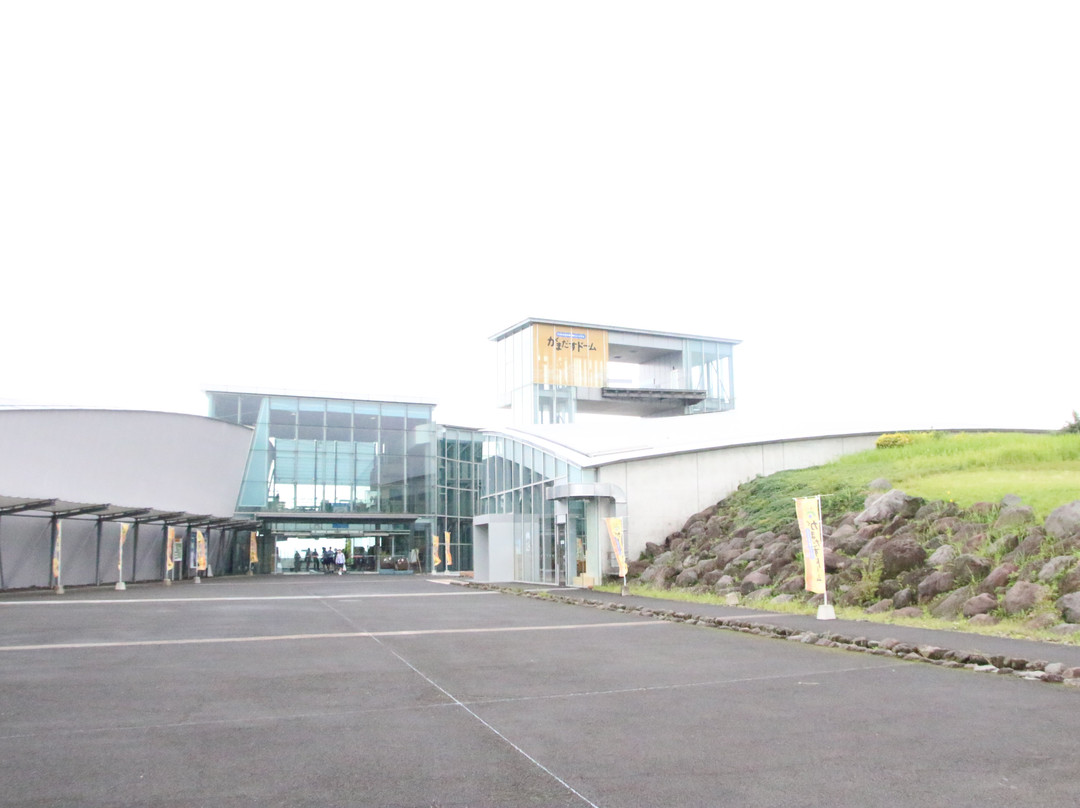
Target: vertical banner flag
[57, 554]
[170, 540]
[446, 544]
[435, 560]
[808, 509]
[120, 557]
[614, 527]
[200, 551]
[254, 549]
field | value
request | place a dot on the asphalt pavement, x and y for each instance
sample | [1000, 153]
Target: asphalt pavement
[368, 690]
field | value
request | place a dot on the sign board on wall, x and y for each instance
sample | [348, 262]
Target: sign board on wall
[569, 356]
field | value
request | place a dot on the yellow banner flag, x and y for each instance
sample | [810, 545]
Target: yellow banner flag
[446, 544]
[435, 560]
[120, 553]
[254, 548]
[56, 552]
[808, 510]
[169, 542]
[200, 551]
[614, 527]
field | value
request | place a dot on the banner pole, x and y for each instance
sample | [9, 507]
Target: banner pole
[825, 611]
[120, 585]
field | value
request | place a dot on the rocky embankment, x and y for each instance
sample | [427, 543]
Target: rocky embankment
[900, 554]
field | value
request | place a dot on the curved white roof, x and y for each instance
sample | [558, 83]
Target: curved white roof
[130, 459]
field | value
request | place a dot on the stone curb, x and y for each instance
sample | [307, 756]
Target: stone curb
[1033, 670]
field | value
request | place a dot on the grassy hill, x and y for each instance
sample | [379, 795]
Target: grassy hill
[965, 468]
[747, 548]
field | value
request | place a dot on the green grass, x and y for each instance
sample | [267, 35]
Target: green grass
[1042, 469]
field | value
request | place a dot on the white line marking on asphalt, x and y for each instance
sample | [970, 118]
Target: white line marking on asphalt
[342, 635]
[484, 723]
[492, 729]
[196, 599]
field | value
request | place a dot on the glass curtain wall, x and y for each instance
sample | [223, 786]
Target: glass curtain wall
[707, 366]
[515, 480]
[334, 455]
[459, 457]
[515, 374]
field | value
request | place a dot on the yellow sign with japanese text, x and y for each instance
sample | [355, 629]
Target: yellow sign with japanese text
[808, 510]
[569, 356]
[124, 527]
[170, 540]
[614, 526]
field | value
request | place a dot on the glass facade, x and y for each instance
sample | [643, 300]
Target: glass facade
[540, 381]
[707, 366]
[554, 542]
[459, 462]
[390, 475]
[334, 455]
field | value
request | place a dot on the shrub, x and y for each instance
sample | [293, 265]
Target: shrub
[1073, 426]
[892, 439]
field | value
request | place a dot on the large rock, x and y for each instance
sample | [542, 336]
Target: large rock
[728, 555]
[1064, 522]
[1023, 596]
[659, 575]
[755, 580]
[950, 608]
[942, 556]
[710, 578]
[980, 604]
[934, 584]
[888, 506]
[969, 568]
[705, 566]
[834, 562]
[635, 568]
[840, 534]
[750, 555]
[1030, 546]
[904, 598]
[1069, 606]
[998, 577]
[901, 555]
[1070, 583]
[853, 543]
[687, 577]
[1014, 515]
[1055, 567]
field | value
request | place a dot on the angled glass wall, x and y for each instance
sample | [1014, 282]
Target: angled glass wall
[334, 455]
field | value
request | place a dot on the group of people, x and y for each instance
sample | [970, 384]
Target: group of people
[329, 560]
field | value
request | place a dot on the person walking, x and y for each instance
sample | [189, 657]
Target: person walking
[339, 562]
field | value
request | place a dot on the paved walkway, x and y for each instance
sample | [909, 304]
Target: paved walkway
[986, 645]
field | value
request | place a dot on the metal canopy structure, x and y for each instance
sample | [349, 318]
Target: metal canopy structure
[52, 511]
[64, 509]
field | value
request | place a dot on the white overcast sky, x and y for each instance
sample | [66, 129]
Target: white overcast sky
[881, 200]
